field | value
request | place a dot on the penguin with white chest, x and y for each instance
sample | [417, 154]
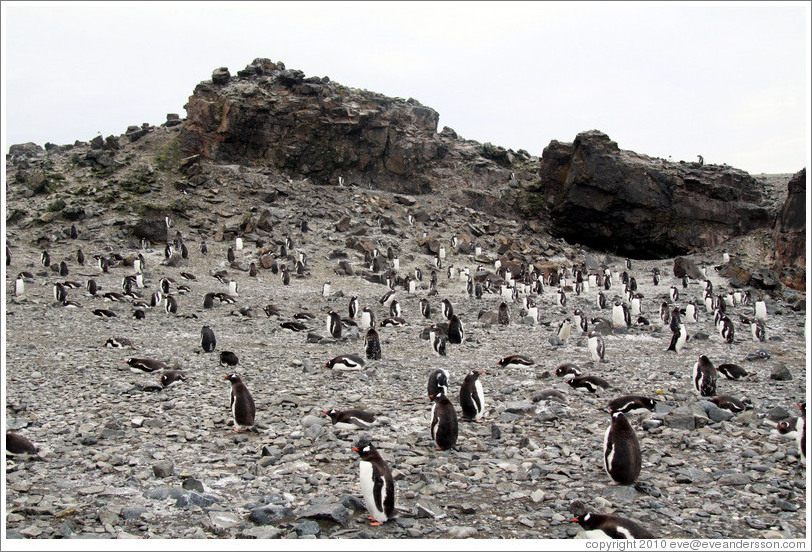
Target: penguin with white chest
[377, 484]
[243, 409]
[444, 425]
[604, 526]
[621, 450]
[596, 346]
[472, 398]
[705, 377]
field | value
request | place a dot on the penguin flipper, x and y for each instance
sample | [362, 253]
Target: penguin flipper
[360, 423]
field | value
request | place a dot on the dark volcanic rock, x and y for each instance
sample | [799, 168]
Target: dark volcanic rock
[323, 130]
[645, 207]
[790, 235]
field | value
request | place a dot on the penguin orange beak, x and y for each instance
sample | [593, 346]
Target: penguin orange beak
[574, 519]
[480, 372]
[431, 396]
[356, 449]
[225, 377]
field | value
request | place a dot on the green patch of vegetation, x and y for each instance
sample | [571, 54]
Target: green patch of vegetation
[169, 157]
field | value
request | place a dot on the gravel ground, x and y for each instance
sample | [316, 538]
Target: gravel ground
[123, 460]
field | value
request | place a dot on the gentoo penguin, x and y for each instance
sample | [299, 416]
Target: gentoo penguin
[515, 361]
[705, 377]
[63, 268]
[104, 265]
[171, 377]
[104, 313]
[444, 426]
[347, 363]
[590, 383]
[230, 254]
[118, 343]
[503, 316]
[760, 310]
[603, 526]
[425, 308]
[732, 371]
[145, 365]
[437, 341]
[232, 288]
[448, 310]
[564, 330]
[757, 329]
[285, 276]
[567, 369]
[731, 403]
[293, 325]
[601, 300]
[438, 382]
[228, 358]
[59, 292]
[393, 321]
[139, 314]
[208, 300]
[618, 315]
[207, 339]
[655, 276]
[632, 404]
[20, 445]
[472, 398]
[621, 450]
[581, 321]
[170, 304]
[387, 297]
[795, 427]
[45, 259]
[456, 333]
[636, 304]
[372, 345]
[351, 419]
[690, 311]
[367, 318]
[242, 404]
[678, 339]
[596, 346]
[549, 395]
[726, 329]
[334, 325]
[377, 484]
[19, 286]
[394, 309]
[562, 298]
[354, 306]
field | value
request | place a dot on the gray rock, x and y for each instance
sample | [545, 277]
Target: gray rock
[352, 502]
[270, 514]
[334, 512]
[780, 372]
[132, 512]
[305, 528]
[164, 468]
[734, 479]
[459, 532]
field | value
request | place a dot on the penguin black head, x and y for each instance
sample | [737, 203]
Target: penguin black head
[233, 378]
[363, 446]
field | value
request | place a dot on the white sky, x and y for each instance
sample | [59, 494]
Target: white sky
[730, 81]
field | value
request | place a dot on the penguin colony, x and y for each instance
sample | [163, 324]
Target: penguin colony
[456, 392]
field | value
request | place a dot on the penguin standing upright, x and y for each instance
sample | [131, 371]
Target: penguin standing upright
[456, 333]
[678, 339]
[208, 341]
[757, 329]
[621, 450]
[472, 398]
[334, 324]
[600, 300]
[437, 341]
[19, 285]
[448, 309]
[760, 310]
[354, 306]
[367, 318]
[438, 382]
[230, 254]
[377, 484]
[503, 317]
[372, 345]
[444, 426]
[564, 330]
[425, 308]
[596, 346]
[705, 377]
[242, 404]
[618, 315]
[673, 294]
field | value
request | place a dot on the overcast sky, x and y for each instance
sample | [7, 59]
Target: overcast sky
[729, 81]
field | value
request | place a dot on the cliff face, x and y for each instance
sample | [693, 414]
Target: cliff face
[617, 200]
[316, 128]
[790, 235]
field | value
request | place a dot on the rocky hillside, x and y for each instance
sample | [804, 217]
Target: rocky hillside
[125, 458]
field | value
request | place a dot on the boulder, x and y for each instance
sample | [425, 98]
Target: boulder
[644, 207]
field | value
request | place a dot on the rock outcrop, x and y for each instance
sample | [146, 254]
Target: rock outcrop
[319, 129]
[790, 235]
[632, 204]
